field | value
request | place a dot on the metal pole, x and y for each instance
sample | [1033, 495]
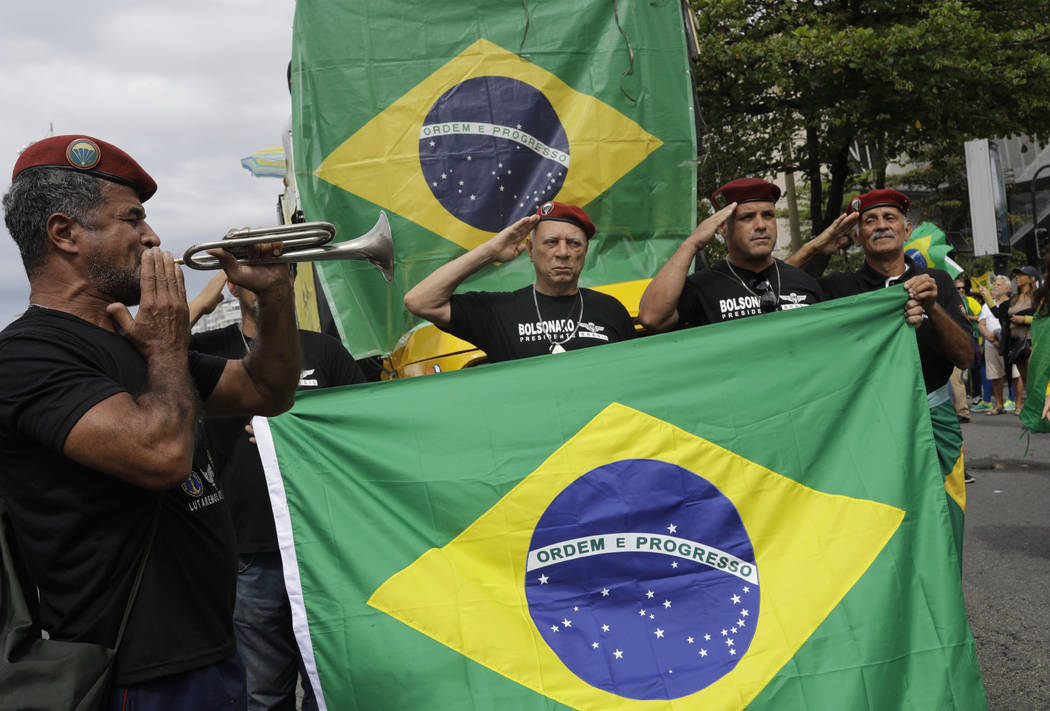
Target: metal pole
[1035, 215]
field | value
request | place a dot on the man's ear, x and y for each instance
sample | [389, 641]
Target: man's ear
[528, 246]
[60, 232]
[234, 290]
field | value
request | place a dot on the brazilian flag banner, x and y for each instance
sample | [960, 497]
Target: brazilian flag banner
[723, 517]
[928, 246]
[457, 119]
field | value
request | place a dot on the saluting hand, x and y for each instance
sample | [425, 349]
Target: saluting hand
[706, 230]
[836, 235]
[509, 242]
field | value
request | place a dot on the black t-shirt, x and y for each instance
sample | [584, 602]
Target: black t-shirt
[325, 364]
[82, 532]
[717, 294]
[936, 366]
[509, 324]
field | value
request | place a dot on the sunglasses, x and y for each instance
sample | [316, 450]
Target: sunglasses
[768, 300]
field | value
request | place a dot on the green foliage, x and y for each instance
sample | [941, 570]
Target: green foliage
[814, 76]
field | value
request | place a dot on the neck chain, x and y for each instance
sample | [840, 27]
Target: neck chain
[556, 345]
[776, 268]
[244, 340]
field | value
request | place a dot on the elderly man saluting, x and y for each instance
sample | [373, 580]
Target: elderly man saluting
[99, 419]
[934, 307]
[552, 315]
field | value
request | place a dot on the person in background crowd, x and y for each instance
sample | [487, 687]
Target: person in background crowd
[959, 378]
[1020, 311]
[992, 329]
[262, 616]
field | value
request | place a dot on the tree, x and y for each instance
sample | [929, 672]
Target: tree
[792, 85]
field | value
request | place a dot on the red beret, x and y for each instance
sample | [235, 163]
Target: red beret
[745, 190]
[887, 197]
[87, 155]
[560, 212]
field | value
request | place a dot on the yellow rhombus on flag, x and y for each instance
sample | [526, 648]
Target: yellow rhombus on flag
[381, 163]
[498, 596]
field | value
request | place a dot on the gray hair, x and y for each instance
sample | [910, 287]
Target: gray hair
[38, 193]
[1009, 284]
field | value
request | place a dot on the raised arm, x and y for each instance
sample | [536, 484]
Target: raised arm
[210, 297]
[264, 381]
[429, 298]
[658, 309]
[147, 439]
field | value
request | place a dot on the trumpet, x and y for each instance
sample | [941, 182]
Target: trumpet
[303, 242]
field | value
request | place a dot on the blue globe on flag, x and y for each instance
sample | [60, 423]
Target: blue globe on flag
[492, 149]
[642, 579]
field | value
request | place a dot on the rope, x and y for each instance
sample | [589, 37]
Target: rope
[528, 21]
[630, 52]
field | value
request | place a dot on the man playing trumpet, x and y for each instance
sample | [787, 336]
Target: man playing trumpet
[99, 420]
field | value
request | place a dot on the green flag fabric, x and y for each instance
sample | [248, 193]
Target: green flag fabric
[724, 517]
[1038, 375]
[458, 119]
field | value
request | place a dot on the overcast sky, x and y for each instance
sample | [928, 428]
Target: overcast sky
[187, 88]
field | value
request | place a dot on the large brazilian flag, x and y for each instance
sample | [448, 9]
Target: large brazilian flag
[725, 517]
[459, 118]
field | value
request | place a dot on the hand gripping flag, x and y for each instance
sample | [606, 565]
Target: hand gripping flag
[656, 524]
[459, 120]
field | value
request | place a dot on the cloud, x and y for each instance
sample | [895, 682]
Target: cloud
[188, 89]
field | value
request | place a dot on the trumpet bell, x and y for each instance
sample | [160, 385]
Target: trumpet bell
[303, 242]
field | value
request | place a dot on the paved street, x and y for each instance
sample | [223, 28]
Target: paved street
[1006, 560]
